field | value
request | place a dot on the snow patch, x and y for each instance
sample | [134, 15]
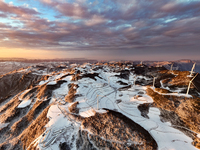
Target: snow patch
[88, 113]
[52, 83]
[3, 125]
[24, 104]
[174, 94]
[101, 111]
[42, 82]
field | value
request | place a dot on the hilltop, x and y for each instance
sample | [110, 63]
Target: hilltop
[114, 105]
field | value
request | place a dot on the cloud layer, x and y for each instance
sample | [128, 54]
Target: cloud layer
[100, 25]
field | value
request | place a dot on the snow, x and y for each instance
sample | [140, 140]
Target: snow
[73, 65]
[24, 104]
[174, 94]
[52, 79]
[3, 125]
[92, 112]
[88, 113]
[52, 83]
[63, 90]
[56, 116]
[67, 78]
[101, 111]
[20, 97]
[163, 133]
[43, 82]
[103, 93]
[167, 88]
[23, 70]
[59, 127]
[190, 76]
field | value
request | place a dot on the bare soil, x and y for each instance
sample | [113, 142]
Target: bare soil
[113, 130]
[34, 130]
[71, 93]
[73, 108]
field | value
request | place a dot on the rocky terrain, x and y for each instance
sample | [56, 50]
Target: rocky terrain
[6, 67]
[99, 106]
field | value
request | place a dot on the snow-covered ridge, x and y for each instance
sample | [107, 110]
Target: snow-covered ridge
[94, 88]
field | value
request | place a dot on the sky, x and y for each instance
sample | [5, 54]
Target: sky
[100, 29]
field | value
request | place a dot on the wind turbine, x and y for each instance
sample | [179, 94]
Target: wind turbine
[108, 80]
[171, 67]
[190, 83]
[98, 101]
[132, 80]
[154, 79]
[191, 72]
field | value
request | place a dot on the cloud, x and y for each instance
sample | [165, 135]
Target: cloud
[95, 20]
[11, 9]
[68, 9]
[178, 7]
[72, 10]
[2, 15]
[3, 25]
[118, 24]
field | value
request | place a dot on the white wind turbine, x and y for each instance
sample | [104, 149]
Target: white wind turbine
[154, 79]
[171, 67]
[191, 72]
[190, 84]
[98, 101]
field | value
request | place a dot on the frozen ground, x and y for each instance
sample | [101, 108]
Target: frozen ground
[94, 94]
[105, 93]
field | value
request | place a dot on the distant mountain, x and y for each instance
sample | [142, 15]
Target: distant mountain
[182, 65]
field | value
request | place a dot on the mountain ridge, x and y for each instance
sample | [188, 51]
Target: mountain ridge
[59, 106]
